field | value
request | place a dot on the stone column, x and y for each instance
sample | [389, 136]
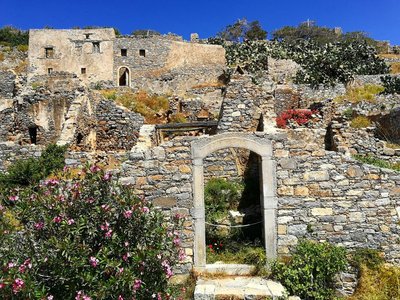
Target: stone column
[269, 205]
[198, 213]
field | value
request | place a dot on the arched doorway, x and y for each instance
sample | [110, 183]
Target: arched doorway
[262, 147]
[123, 76]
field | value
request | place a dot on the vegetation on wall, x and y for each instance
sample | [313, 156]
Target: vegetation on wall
[372, 160]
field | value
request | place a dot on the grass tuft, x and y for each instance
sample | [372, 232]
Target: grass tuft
[360, 122]
[363, 93]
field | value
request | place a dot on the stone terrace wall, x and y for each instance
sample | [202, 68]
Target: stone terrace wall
[363, 141]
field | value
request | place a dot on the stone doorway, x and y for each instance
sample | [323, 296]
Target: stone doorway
[262, 147]
[123, 76]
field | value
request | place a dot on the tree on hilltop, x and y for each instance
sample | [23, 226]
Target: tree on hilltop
[243, 30]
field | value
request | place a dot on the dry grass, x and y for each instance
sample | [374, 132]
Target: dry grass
[395, 68]
[208, 84]
[389, 55]
[360, 122]
[393, 145]
[360, 93]
[22, 67]
[109, 94]
[151, 107]
[1, 56]
[380, 284]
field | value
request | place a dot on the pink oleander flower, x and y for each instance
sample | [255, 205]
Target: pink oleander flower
[57, 219]
[120, 297]
[50, 297]
[126, 244]
[13, 198]
[94, 169]
[90, 200]
[93, 261]
[105, 207]
[70, 221]
[107, 176]
[108, 233]
[181, 254]
[1, 207]
[167, 269]
[51, 182]
[38, 225]
[2, 286]
[126, 256]
[105, 226]
[17, 285]
[145, 209]
[120, 271]
[137, 284]
[127, 214]
[177, 241]
[11, 265]
[81, 296]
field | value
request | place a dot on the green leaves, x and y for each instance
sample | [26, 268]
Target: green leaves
[311, 270]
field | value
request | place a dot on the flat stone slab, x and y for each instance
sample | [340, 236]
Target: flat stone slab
[221, 268]
[237, 288]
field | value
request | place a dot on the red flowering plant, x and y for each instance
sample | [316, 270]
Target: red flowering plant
[85, 237]
[295, 118]
[215, 245]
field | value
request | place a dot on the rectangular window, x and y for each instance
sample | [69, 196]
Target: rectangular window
[83, 70]
[124, 52]
[96, 47]
[49, 71]
[49, 52]
[142, 52]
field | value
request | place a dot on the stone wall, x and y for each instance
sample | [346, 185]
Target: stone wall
[7, 84]
[245, 105]
[361, 141]
[328, 197]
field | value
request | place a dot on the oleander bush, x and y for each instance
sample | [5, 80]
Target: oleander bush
[295, 117]
[85, 237]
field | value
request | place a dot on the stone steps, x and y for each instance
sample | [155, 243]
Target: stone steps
[237, 288]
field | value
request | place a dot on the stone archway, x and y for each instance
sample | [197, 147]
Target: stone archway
[259, 145]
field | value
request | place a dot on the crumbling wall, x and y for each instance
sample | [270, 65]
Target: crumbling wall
[245, 105]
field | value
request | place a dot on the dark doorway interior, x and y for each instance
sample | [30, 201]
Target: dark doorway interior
[123, 76]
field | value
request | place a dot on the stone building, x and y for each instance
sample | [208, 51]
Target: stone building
[96, 55]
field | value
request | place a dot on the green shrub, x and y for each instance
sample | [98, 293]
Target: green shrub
[310, 272]
[85, 236]
[370, 258]
[391, 85]
[29, 171]
[23, 48]
[221, 195]
[372, 160]
[13, 36]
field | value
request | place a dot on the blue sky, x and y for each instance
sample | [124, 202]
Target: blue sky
[379, 18]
